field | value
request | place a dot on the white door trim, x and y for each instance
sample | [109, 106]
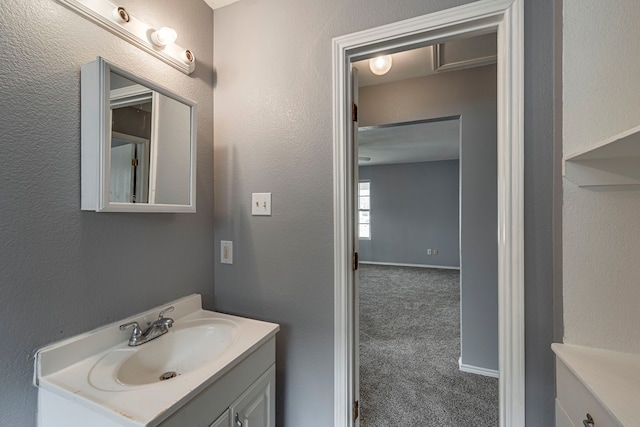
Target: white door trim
[505, 16]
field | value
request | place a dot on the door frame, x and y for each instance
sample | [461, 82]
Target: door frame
[505, 17]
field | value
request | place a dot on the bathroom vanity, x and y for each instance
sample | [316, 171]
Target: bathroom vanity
[209, 369]
[596, 387]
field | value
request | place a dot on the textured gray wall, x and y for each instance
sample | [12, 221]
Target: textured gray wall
[471, 94]
[414, 206]
[273, 121]
[273, 132]
[63, 271]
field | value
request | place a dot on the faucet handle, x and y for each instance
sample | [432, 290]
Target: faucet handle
[166, 310]
[136, 328]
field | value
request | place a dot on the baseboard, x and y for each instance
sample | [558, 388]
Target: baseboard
[477, 370]
[398, 264]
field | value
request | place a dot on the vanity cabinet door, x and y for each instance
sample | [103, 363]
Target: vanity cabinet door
[257, 406]
[223, 420]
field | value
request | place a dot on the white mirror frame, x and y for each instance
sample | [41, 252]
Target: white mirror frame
[96, 141]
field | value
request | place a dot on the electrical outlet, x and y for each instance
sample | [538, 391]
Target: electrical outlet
[428, 251]
[261, 204]
[226, 252]
[435, 252]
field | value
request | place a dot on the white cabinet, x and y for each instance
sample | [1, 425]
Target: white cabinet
[562, 419]
[248, 389]
[257, 406]
[601, 383]
[223, 420]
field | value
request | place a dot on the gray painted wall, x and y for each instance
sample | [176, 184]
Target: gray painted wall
[273, 133]
[542, 186]
[472, 94]
[414, 206]
[63, 271]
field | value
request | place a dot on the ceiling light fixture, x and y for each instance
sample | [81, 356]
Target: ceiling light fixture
[380, 65]
[164, 36]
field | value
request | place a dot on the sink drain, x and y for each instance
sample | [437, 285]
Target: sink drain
[168, 375]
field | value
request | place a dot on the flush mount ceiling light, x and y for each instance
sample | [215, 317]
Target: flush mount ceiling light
[164, 36]
[380, 65]
[159, 43]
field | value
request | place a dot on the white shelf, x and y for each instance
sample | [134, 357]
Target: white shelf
[612, 164]
[612, 377]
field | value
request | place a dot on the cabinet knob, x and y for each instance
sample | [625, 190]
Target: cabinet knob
[239, 423]
[589, 421]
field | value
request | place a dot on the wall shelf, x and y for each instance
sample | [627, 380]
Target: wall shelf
[613, 164]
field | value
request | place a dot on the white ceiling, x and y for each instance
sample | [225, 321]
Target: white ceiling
[428, 140]
[406, 65]
[217, 4]
[452, 55]
[411, 142]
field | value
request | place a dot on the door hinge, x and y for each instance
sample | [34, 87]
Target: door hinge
[354, 112]
[355, 261]
[355, 411]
[134, 162]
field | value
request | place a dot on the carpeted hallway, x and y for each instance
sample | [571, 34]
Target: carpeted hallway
[409, 349]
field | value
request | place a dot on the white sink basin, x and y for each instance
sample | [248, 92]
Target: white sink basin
[97, 376]
[184, 349]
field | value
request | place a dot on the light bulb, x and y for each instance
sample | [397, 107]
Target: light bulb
[164, 36]
[120, 15]
[380, 65]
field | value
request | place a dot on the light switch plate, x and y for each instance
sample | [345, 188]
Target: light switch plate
[261, 204]
[226, 252]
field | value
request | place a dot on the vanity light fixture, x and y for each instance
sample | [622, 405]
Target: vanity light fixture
[380, 65]
[164, 36]
[121, 15]
[159, 43]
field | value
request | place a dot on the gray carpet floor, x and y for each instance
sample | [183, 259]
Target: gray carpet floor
[409, 349]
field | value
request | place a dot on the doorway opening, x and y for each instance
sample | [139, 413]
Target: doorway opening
[410, 287]
[505, 18]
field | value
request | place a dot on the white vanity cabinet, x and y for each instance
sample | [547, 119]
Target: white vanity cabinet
[602, 384]
[255, 408]
[222, 365]
[247, 390]
[223, 421]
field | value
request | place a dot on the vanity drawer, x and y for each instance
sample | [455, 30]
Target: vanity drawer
[577, 401]
[562, 419]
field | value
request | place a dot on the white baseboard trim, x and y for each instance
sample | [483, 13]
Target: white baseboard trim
[399, 264]
[477, 370]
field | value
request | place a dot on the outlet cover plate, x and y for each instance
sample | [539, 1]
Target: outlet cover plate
[226, 252]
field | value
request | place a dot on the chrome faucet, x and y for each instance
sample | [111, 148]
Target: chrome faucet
[154, 330]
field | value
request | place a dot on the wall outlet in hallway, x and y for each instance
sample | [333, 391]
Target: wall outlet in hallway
[226, 252]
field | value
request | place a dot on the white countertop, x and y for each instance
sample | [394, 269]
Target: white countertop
[612, 377]
[63, 368]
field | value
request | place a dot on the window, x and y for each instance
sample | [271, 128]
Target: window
[364, 210]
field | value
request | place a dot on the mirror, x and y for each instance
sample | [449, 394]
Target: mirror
[138, 144]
